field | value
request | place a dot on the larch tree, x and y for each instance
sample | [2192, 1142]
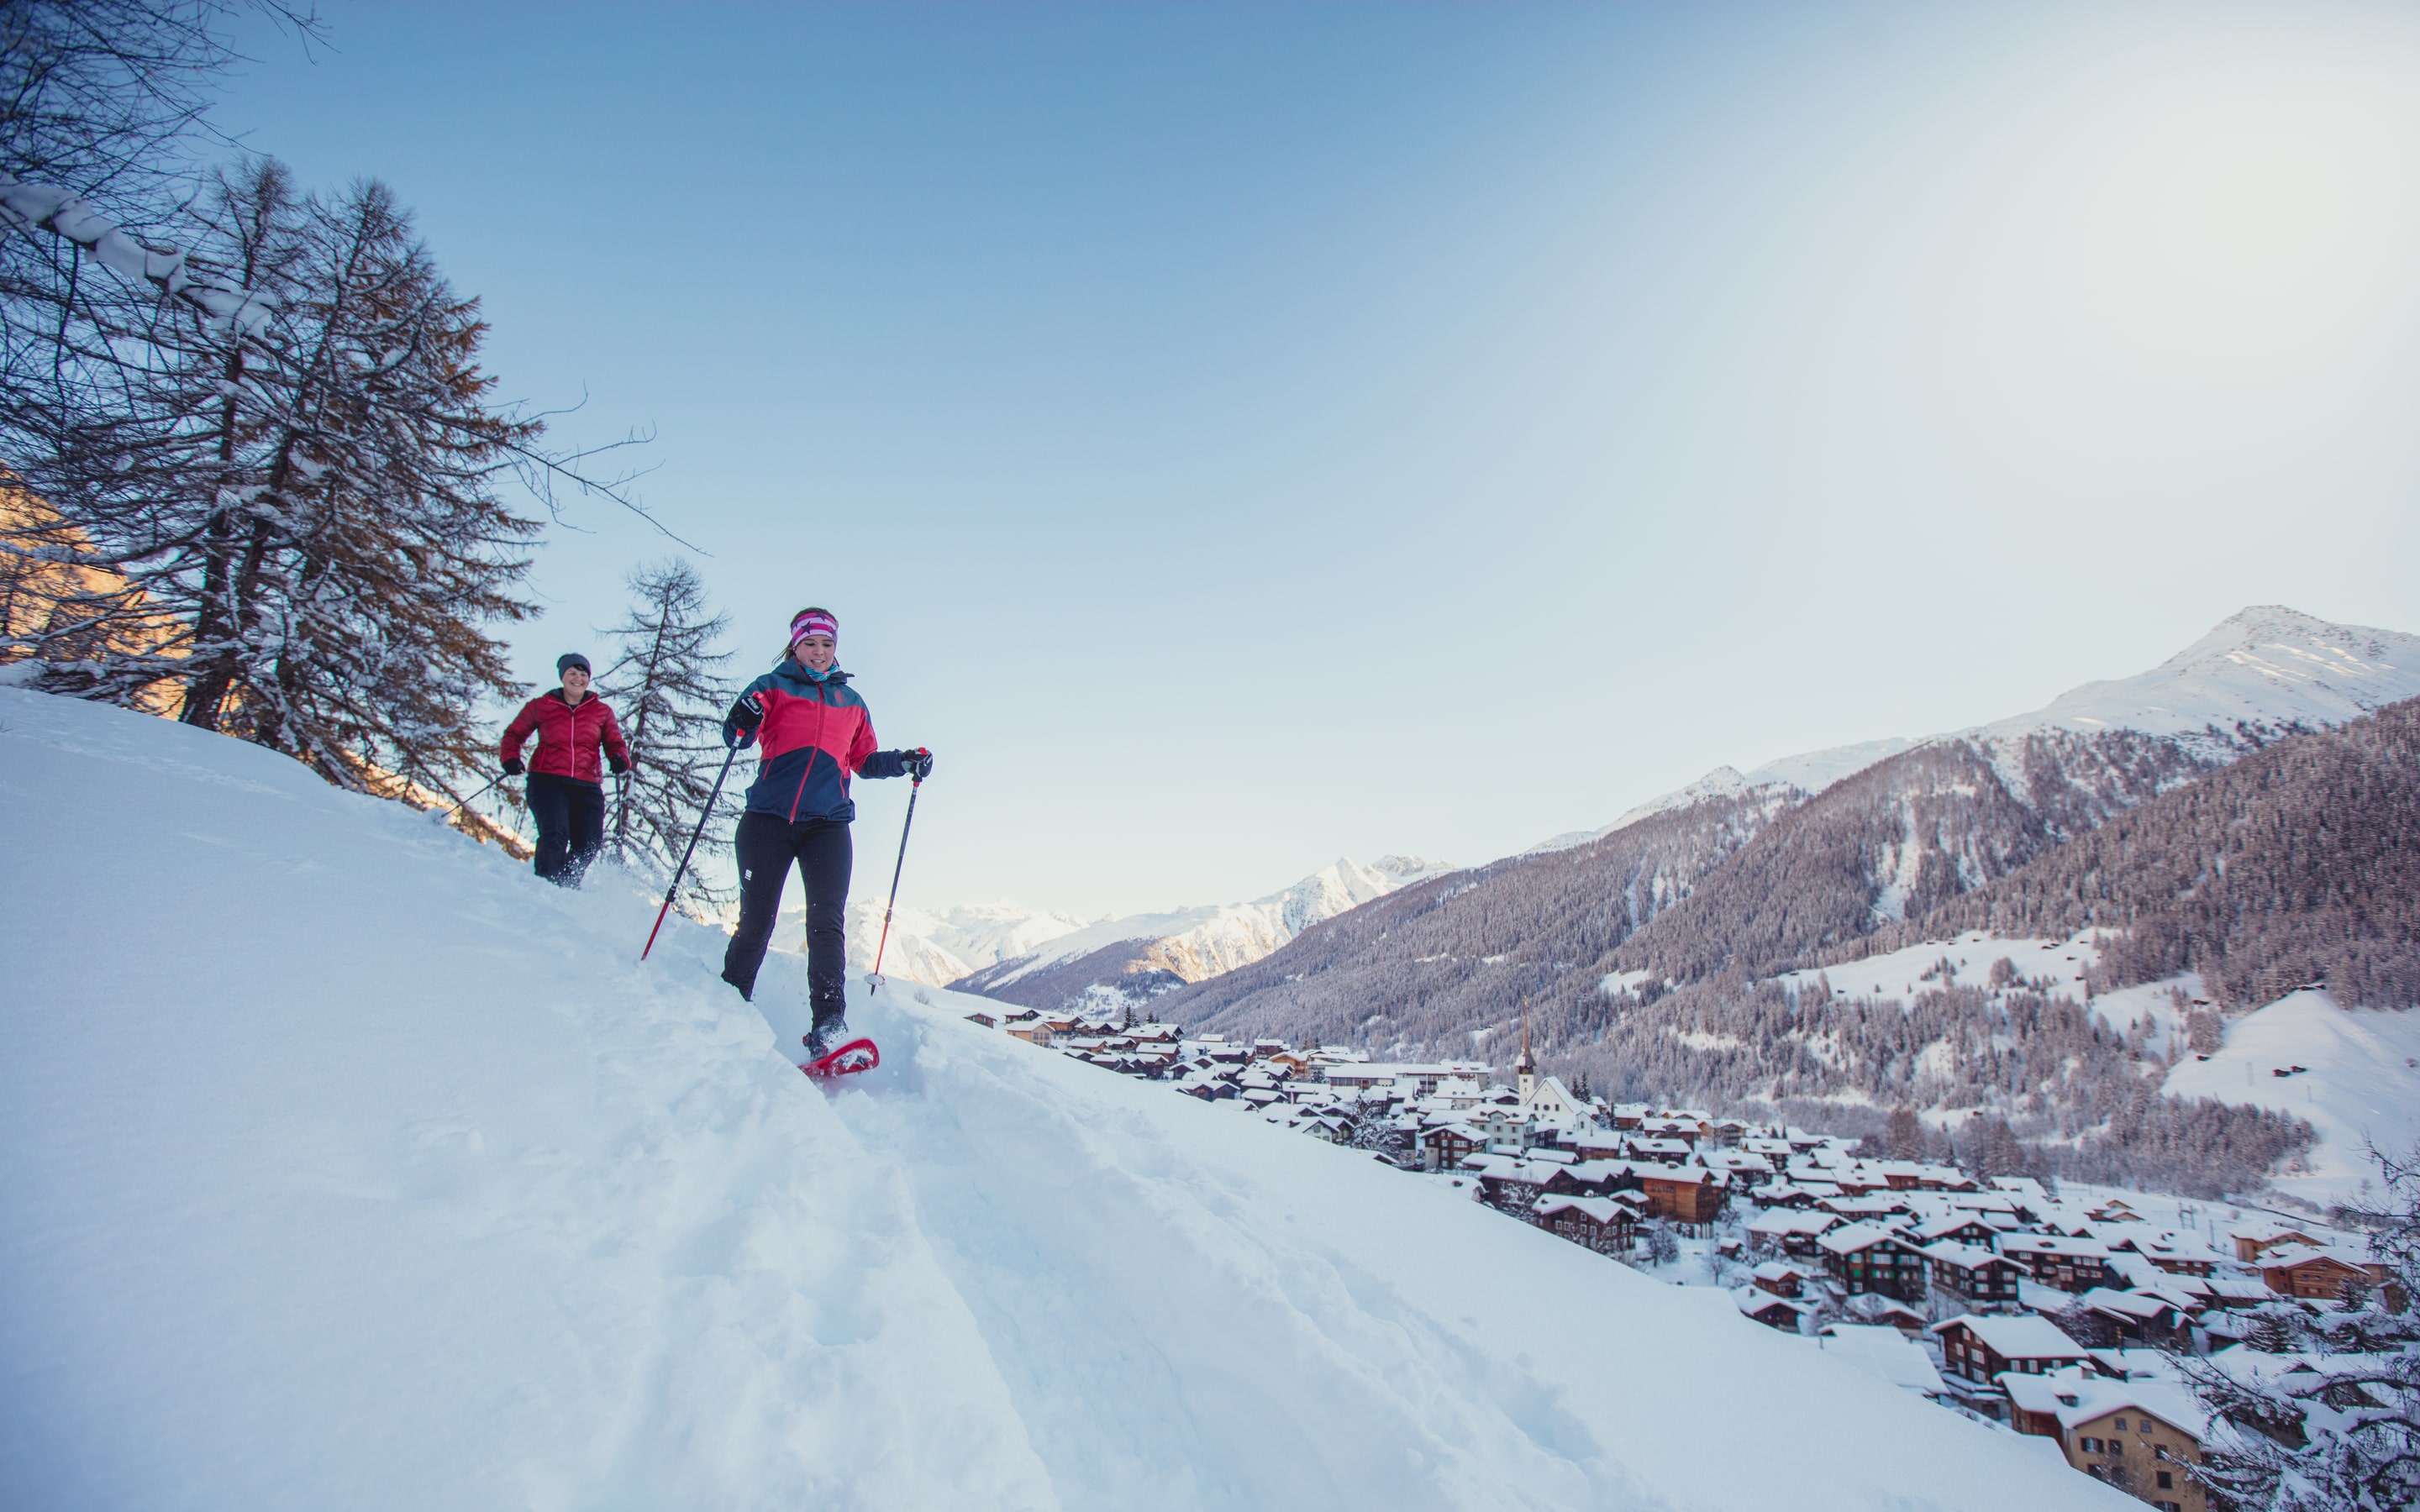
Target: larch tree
[306, 506]
[101, 113]
[668, 688]
[344, 620]
[252, 473]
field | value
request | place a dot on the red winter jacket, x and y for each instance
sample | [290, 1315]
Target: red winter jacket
[566, 737]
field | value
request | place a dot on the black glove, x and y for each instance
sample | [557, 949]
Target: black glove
[917, 763]
[513, 767]
[741, 722]
[618, 764]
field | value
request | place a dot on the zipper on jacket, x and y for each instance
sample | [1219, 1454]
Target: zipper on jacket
[800, 796]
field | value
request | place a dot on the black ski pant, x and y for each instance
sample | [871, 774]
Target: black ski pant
[570, 825]
[767, 844]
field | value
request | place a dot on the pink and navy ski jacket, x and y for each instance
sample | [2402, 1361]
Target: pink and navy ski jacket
[816, 737]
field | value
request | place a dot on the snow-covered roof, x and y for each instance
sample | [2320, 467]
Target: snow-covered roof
[2075, 1398]
[1791, 1221]
[2083, 1249]
[1599, 1210]
[2284, 1255]
[2016, 1337]
[1857, 1237]
[2134, 1304]
[1885, 1351]
[1751, 1301]
[1964, 1256]
[1947, 1224]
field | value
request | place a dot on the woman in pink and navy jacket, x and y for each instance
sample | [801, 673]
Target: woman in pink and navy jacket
[812, 735]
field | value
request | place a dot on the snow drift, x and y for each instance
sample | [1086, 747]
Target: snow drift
[349, 1165]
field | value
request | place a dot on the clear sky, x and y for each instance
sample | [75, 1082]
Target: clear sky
[1235, 436]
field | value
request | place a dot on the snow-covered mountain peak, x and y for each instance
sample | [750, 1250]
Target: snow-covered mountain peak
[1722, 783]
[1190, 944]
[2267, 667]
[2266, 670]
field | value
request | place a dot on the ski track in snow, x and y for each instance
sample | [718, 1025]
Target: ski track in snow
[352, 1166]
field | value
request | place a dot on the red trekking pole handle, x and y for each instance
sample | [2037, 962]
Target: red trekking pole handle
[681, 870]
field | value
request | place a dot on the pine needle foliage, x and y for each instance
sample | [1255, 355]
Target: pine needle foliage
[669, 691]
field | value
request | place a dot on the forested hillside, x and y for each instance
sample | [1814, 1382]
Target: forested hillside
[1459, 952]
[1649, 959]
[2298, 865]
[1756, 884]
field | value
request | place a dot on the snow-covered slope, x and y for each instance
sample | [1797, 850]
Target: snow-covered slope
[2359, 1075]
[2360, 1082]
[350, 1166]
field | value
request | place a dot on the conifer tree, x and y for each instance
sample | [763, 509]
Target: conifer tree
[341, 617]
[2342, 1430]
[668, 690]
[306, 505]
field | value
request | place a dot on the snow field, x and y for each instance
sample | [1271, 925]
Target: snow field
[1900, 975]
[352, 1166]
[2361, 1085]
[349, 1165]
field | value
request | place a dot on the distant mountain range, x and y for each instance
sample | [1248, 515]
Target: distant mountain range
[1048, 959]
[1627, 940]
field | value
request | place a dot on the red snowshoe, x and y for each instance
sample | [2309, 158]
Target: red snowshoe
[850, 1059]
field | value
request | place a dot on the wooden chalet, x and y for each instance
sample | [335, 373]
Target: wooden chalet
[1976, 1278]
[1773, 1311]
[2177, 1261]
[1780, 1277]
[2136, 1317]
[1690, 1195]
[1600, 1224]
[2053, 1260]
[2250, 1243]
[1032, 1028]
[1957, 1228]
[1446, 1146]
[2303, 1271]
[1982, 1347]
[2141, 1437]
[1865, 1257]
[1789, 1233]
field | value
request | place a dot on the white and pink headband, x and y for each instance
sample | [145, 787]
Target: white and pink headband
[812, 622]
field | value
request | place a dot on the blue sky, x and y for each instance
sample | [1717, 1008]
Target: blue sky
[1238, 436]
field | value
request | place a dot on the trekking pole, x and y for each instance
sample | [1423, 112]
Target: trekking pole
[702, 818]
[874, 979]
[444, 815]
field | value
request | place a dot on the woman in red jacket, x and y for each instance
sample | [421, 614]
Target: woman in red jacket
[566, 791]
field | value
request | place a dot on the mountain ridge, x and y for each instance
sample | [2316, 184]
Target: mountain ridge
[1753, 880]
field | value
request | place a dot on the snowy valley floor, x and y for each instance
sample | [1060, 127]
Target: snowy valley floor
[349, 1165]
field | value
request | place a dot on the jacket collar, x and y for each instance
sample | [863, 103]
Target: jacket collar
[792, 667]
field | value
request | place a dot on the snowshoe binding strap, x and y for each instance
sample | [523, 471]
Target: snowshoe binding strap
[855, 1056]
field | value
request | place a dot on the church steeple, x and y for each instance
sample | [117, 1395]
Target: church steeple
[1524, 1066]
